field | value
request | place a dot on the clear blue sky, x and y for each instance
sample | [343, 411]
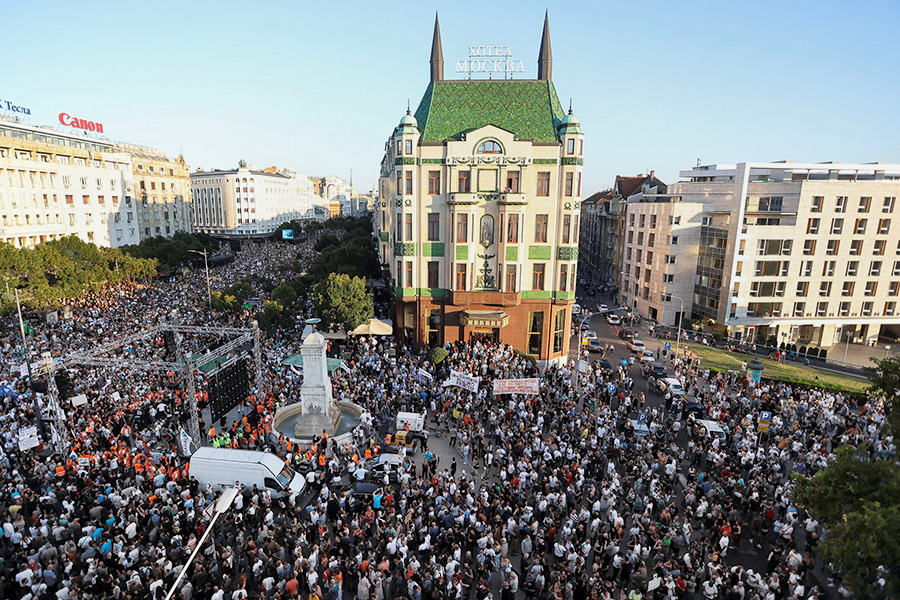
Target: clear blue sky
[319, 86]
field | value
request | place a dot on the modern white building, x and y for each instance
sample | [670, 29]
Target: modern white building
[245, 202]
[807, 253]
[55, 184]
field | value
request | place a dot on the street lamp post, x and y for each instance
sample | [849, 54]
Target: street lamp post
[208, 287]
[847, 335]
[680, 319]
[887, 350]
[222, 505]
[37, 408]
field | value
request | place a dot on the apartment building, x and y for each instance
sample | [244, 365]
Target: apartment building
[162, 191]
[55, 184]
[806, 252]
[479, 203]
[246, 202]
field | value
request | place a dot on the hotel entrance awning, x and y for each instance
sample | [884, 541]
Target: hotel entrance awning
[490, 319]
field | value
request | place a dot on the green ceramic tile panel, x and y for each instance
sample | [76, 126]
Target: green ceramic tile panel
[432, 161]
[449, 109]
[567, 253]
[512, 253]
[539, 253]
[432, 248]
[462, 252]
[544, 161]
[572, 160]
[536, 295]
[385, 236]
[404, 249]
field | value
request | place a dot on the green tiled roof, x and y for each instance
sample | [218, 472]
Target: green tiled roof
[529, 109]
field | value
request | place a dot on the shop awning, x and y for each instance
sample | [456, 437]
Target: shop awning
[484, 318]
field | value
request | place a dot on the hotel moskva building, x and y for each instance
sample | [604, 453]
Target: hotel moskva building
[480, 196]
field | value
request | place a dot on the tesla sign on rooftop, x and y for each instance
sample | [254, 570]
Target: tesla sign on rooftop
[489, 59]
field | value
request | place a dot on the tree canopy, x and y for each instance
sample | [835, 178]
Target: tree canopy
[885, 380]
[172, 252]
[54, 271]
[342, 300]
[858, 501]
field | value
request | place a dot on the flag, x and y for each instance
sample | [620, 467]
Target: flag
[345, 367]
[423, 373]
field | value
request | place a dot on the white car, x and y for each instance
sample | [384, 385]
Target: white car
[670, 384]
[589, 334]
[603, 307]
[636, 346]
[613, 319]
[647, 356]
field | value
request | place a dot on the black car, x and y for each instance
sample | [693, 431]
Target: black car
[604, 365]
[692, 405]
[658, 370]
[627, 334]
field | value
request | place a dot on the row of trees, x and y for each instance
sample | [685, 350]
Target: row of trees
[55, 271]
[335, 281]
[173, 252]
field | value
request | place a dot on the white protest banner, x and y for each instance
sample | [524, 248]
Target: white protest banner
[345, 367]
[28, 438]
[653, 584]
[458, 378]
[423, 373]
[185, 441]
[582, 366]
[78, 400]
[517, 386]
[116, 396]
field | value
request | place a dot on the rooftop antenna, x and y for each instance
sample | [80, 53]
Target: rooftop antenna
[698, 162]
[407, 106]
[570, 105]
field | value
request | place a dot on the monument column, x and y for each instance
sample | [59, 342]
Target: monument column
[319, 411]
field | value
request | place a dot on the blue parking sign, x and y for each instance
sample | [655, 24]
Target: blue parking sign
[611, 388]
[668, 345]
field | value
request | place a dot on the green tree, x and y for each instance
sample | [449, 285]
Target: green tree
[342, 300]
[284, 294]
[858, 501]
[885, 380]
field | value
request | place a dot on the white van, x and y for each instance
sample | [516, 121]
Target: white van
[221, 467]
[707, 428]
[415, 420]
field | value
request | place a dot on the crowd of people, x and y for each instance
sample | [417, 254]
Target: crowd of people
[584, 490]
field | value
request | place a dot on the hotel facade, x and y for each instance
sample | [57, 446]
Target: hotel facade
[478, 214]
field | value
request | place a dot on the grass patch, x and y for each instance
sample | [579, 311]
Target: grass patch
[722, 360]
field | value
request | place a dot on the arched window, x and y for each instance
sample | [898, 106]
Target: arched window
[489, 147]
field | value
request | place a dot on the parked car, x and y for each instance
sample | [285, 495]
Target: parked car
[636, 346]
[627, 334]
[613, 319]
[658, 371]
[589, 334]
[647, 356]
[707, 428]
[603, 307]
[594, 345]
[692, 405]
[671, 384]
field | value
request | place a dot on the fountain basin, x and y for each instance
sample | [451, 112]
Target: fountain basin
[286, 419]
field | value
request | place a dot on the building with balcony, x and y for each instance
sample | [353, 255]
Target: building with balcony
[807, 253]
[478, 215]
[55, 184]
[163, 192]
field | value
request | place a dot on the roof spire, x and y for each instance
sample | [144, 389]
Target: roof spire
[437, 53]
[545, 57]
[570, 106]
[407, 106]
